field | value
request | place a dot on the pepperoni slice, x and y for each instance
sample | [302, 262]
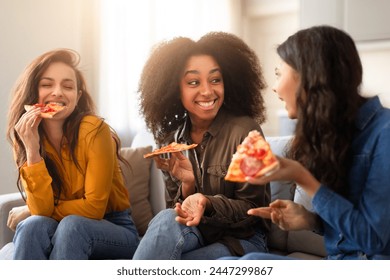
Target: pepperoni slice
[250, 166]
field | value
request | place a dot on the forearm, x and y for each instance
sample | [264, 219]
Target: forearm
[37, 184]
[33, 157]
[306, 180]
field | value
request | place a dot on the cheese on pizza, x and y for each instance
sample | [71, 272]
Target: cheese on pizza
[253, 158]
[171, 148]
[47, 110]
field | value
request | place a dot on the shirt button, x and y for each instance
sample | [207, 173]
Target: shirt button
[202, 147]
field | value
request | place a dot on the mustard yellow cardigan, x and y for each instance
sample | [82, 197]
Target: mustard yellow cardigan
[96, 190]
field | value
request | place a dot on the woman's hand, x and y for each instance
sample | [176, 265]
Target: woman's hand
[16, 215]
[191, 211]
[290, 170]
[27, 130]
[179, 167]
[287, 215]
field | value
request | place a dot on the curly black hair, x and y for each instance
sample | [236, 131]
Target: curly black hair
[328, 100]
[159, 85]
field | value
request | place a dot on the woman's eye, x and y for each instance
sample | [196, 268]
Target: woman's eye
[192, 83]
[46, 85]
[216, 80]
[68, 86]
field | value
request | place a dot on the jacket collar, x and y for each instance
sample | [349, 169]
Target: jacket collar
[219, 121]
[367, 112]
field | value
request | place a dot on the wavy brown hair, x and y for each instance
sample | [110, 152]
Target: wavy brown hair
[25, 91]
[159, 86]
[328, 100]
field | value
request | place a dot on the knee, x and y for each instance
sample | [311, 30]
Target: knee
[69, 226]
[36, 226]
[164, 219]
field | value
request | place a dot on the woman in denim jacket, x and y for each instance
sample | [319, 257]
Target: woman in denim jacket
[341, 149]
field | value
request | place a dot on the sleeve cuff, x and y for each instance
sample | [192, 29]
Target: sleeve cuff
[321, 198]
[36, 168]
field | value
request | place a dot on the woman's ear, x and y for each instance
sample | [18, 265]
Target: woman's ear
[79, 93]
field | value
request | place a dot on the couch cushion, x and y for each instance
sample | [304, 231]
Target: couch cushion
[7, 252]
[137, 183]
[277, 238]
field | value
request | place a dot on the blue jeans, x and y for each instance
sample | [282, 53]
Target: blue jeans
[167, 239]
[76, 238]
[259, 256]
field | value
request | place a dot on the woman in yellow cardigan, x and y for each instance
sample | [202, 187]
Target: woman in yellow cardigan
[77, 206]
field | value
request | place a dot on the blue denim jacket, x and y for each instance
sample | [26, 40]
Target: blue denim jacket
[358, 227]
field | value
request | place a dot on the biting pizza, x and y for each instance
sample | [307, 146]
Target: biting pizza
[171, 148]
[47, 110]
[253, 158]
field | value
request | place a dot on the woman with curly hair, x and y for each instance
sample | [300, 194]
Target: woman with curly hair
[207, 92]
[77, 206]
[341, 149]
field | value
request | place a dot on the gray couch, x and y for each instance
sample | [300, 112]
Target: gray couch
[147, 198]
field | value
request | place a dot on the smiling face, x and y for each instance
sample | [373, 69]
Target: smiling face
[286, 86]
[58, 84]
[202, 89]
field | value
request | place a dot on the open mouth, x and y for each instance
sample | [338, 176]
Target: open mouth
[56, 103]
[206, 104]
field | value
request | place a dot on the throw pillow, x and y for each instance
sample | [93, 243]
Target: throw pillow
[137, 182]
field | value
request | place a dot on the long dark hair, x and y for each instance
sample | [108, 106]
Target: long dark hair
[328, 100]
[26, 92]
[159, 85]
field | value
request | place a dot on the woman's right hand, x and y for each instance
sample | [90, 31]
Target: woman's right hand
[27, 130]
[180, 167]
[287, 215]
[290, 170]
[16, 215]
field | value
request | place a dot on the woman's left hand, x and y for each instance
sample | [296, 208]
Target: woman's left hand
[16, 215]
[191, 210]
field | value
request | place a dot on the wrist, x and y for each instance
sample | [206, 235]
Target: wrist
[187, 188]
[307, 181]
[33, 159]
[209, 209]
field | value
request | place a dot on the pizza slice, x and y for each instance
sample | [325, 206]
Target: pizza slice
[47, 110]
[253, 158]
[171, 148]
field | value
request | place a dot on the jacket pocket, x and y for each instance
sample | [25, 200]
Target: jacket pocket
[216, 174]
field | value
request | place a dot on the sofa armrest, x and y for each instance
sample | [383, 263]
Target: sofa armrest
[7, 202]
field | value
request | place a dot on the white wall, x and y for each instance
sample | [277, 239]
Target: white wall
[270, 22]
[27, 29]
[376, 60]
[267, 24]
[368, 22]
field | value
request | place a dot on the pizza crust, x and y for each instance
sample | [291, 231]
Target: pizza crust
[171, 148]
